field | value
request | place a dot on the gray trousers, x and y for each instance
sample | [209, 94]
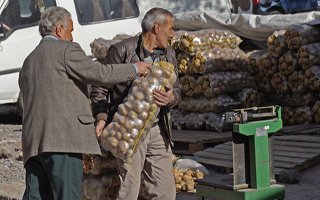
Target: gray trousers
[152, 161]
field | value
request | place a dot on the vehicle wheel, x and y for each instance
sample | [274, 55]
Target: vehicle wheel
[275, 12]
[272, 11]
[20, 105]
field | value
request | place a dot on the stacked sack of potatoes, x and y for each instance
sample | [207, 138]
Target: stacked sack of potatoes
[100, 46]
[288, 72]
[214, 76]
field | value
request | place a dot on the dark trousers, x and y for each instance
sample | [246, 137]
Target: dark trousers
[54, 176]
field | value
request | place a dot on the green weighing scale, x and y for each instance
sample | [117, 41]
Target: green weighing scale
[253, 172]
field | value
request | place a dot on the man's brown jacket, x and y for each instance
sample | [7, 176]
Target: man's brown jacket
[128, 51]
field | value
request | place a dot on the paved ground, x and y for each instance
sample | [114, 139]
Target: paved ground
[307, 189]
[12, 172]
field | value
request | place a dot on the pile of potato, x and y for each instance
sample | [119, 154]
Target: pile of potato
[298, 35]
[213, 60]
[187, 120]
[293, 100]
[248, 97]
[287, 115]
[100, 46]
[288, 63]
[212, 69]
[267, 64]
[308, 55]
[316, 111]
[290, 68]
[97, 165]
[100, 187]
[197, 121]
[218, 83]
[280, 83]
[312, 78]
[303, 115]
[215, 84]
[106, 187]
[296, 82]
[300, 115]
[198, 41]
[184, 179]
[245, 97]
[277, 45]
[219, 59]
[208, 50]
[263, 83]
[204, 104]
[137, 113]
[254, 60]
[189, 85]
[184, 63]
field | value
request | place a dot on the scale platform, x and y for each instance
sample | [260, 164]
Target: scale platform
[253, 171]
[221, 187]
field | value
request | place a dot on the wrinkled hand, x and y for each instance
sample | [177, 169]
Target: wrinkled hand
[143, 68]
[163, 98]
[99, 127]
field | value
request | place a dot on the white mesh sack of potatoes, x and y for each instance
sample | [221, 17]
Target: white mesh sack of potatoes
[138, 112]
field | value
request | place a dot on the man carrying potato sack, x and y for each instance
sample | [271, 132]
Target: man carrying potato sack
[152, 159]
[57, 119]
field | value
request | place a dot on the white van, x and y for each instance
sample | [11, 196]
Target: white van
[19, 31]
[91, 19]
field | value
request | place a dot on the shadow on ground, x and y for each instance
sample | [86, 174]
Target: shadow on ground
[8, 114]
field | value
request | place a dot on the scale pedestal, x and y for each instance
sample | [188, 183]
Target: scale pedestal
[253, 172]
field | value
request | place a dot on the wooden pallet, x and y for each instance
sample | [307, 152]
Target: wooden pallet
[304, 129]
[187, 142]
[294, 151]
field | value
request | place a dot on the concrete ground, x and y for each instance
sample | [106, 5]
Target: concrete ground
[307, 189]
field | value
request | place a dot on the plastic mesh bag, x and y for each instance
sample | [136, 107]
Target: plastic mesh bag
[204, 104]
[100, 46]
[136, 115]
[193, 41]
[186, 163]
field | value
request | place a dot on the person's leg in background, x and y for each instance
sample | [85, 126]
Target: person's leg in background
[130, 173]
[158, 169]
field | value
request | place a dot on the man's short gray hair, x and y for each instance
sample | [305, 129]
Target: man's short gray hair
[51, 17]
[154, 15]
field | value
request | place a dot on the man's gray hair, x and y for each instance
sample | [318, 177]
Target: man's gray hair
[154, 15]
[52, 17]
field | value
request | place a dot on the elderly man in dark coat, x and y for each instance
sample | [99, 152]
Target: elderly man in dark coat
[57, 121]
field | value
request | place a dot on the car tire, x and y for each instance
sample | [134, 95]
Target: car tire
[275, 12]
